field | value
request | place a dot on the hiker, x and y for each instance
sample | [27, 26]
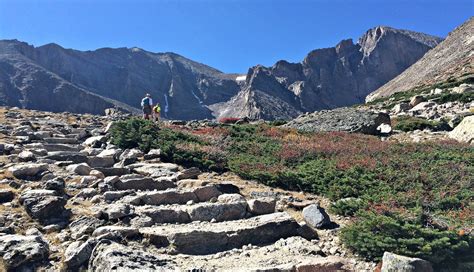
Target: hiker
[156, 112]
[147, 105]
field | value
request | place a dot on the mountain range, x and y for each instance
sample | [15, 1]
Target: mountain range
[53, 78]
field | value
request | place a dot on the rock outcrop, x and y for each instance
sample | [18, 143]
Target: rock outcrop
[396, 263]
[464, 132]
[341, 119]
[451, 59]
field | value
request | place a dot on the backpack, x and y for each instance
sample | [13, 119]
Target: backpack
[157, 109]
[146, 102]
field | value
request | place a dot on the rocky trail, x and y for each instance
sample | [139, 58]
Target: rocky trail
[72, 201]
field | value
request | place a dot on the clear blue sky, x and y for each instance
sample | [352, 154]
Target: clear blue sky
[230, 35]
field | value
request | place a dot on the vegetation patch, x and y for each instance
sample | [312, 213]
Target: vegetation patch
[409, 123]
[409, 198]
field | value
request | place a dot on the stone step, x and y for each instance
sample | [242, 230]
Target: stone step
[60, 140]
[197, 212]
[139, 182]
[62, 147]
[74, 157]
[174, 196]
[200, 238]
[113, 171]
[291, 254]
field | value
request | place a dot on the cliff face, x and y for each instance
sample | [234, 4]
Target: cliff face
[328, 78]
[451, 59]
[183, 87]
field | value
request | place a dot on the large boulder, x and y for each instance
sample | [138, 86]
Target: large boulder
[101, 161]
[81, 169]
[27, 170]
[6, 195]
[262, 205]
[342, 119]
[95, 141]
[71, 156]
[78, 253]
[464, 132]
[316, 216]
[44, 205]
[396, 263]
[22, 253]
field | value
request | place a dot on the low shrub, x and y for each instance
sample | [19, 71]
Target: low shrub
[348, 206]
[228, 120]
[408, 123]
[373, 234]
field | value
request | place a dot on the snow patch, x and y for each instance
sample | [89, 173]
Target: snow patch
[166, 103]
[241, 78]
[197, 97]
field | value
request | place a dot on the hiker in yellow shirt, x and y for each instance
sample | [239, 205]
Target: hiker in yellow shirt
[156, 112]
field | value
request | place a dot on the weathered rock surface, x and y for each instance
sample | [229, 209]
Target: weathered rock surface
[464, 132]
[204, 238]
[22, 252]
[45, 206]
[109, 256]
[316, 216]
[396, 263]
[342, 119]
[27, 170]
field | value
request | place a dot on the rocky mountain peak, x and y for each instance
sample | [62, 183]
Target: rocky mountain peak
[373, 36]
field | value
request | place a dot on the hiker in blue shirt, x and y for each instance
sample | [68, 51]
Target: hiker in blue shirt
[147, 105]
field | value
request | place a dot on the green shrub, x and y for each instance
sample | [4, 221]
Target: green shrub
[348, 206]
[408, 123]
[373, 234]
[177, 147]
[452, 97]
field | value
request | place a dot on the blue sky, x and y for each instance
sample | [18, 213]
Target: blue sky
[230, 35]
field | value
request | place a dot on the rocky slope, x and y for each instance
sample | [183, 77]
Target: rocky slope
[47, 77]
[451, 59]
[71, 200]
[327, 78]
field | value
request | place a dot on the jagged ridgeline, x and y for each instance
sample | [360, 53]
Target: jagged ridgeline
[47, 77]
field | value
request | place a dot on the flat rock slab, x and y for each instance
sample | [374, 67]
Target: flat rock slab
[174, 196]
[74, 157]
[113, 171]
[26, 170]
[206, 238]
[137, 182]
[341, 119]
[154, 169]
[61, 140]
[62, 147]
[108, 256]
